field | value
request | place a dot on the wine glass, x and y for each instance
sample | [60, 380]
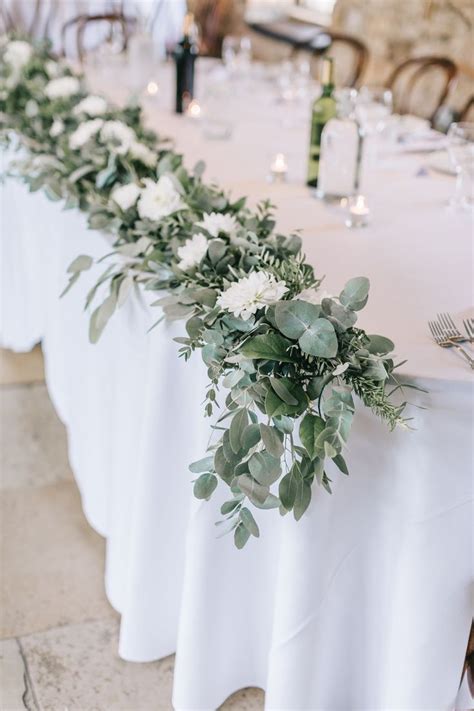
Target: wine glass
[461, 155]
[237, 53]
[373, 107]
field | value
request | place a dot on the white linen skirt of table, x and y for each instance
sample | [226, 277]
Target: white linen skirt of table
[364, 604]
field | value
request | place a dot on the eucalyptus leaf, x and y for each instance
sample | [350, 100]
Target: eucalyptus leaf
[293, 318]
[264, 468]
[202, 465]
[271, 440]
[249, 522]
[320, 339]
[355, 293]
[204, 486]
[310, 428]
[241, 536]
[270, 346]
[251, 488]
[236, 430]
[379, 345]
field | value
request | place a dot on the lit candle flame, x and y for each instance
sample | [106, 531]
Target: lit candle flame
[152, 88]
[194, 110]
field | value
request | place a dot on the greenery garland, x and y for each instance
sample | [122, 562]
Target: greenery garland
[290, 361]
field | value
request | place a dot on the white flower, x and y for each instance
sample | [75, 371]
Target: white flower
[62, 88]
[118, 135]
[84, 133]
[251, 293]
[17, 54]
[192, 251]
[92, 106]
[140, 152]
[159, 199]
[52, 68]
[313, 295]
[126, 195]
[215, 223]
[57, 128]
[31, 108]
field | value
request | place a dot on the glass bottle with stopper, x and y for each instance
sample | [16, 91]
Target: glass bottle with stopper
[324, 109]
[185, 54]
[341, 150]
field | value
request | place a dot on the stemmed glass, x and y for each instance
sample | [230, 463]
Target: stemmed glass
[372, 109]
[374, 106]
[461, 155]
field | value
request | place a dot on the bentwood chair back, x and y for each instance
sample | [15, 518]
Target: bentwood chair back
[109, 27]
[215, 19]
[467, 114]
[350, 55]
[31, 17]
[420, 85]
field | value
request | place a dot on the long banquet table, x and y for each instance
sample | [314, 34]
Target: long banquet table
[365, 603]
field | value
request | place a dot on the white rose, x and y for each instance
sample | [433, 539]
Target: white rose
[118, 135]
[215, 223]
[251, 293]
[192, 251]
[92, 106]
[62, 88]
[84, 133]
[57, 128]
[17, 54]
[140, 152]
[159, 199]
[126, 195]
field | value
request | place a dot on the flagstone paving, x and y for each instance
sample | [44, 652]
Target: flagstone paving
[58, 633]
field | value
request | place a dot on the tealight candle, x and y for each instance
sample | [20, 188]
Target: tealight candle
[358, 212]
[279, 168]
[193, 110]
[152, 88]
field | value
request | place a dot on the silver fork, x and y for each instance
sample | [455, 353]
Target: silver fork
[450, 329]
[443, 340]
[468, 324]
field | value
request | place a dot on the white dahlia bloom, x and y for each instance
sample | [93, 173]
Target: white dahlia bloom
[140, 152]
[92, 106]
[17, 54]
[126, 195]
[192, 251]
[159, 199]
[84, 133]
[52, 68]
[118, 135]
[62, 88]
[215, 223]
[253, 292]
[57, 128]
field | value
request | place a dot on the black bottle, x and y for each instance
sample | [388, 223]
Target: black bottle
[185, 54]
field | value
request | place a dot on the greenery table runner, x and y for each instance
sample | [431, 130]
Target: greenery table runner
[291, 363]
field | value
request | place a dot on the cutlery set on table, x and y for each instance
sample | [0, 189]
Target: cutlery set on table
[447, 335]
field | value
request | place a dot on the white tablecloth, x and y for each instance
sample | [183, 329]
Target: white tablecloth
[365, 603]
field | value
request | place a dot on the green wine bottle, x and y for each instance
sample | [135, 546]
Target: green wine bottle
[324, 109]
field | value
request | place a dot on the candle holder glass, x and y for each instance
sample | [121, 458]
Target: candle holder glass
[358, 213]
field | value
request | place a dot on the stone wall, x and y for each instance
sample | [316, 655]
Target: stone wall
[397, 29]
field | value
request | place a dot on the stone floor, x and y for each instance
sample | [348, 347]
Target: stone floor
[58, 639]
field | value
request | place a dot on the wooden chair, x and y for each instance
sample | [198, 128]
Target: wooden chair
[348, 51]
[81, 23]
[413, 85]
[215, 19]
[467, 114]
[33, 20]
